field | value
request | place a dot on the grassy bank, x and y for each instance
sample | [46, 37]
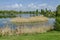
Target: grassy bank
[53, 35]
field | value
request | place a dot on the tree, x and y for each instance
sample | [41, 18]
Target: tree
[58, 11]
[57, 24]
[37, 12]
[42, 12]
[49, 13]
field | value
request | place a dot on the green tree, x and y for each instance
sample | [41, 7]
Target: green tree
[42, 12]
[58, 11]
[57, 24]
[49, 13]
[37, 12]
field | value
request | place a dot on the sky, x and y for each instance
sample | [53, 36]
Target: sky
[28, 5]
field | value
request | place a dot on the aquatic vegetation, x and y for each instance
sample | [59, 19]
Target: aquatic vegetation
[31, 19]
[24, 30]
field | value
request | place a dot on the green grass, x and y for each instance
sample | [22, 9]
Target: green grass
[53, 35]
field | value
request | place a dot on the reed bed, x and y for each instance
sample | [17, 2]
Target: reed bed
[31, 19]
[23, 30]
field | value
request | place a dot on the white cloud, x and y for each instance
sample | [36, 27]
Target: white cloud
[21, 5]
[37, 6]
[40, 6]
[51, 7]
[44, 4]
[14, 6]
[32, 5]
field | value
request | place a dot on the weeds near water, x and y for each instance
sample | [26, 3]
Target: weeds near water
[23, 30]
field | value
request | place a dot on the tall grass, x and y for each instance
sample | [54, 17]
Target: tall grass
[24, 30]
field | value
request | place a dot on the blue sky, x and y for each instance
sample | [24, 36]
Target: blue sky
[28, 5]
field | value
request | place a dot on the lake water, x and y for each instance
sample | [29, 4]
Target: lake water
[6, 22]
[27, 15]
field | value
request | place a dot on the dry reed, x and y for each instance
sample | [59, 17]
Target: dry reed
[31, 19]
[8, 31]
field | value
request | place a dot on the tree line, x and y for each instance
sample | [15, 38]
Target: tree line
[12, 13]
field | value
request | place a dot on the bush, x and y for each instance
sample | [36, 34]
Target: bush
[57, 26]
[58, 19]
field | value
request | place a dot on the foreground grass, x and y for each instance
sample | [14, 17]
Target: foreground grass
[53, 35]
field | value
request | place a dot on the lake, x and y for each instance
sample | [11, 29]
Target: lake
[6, 22]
